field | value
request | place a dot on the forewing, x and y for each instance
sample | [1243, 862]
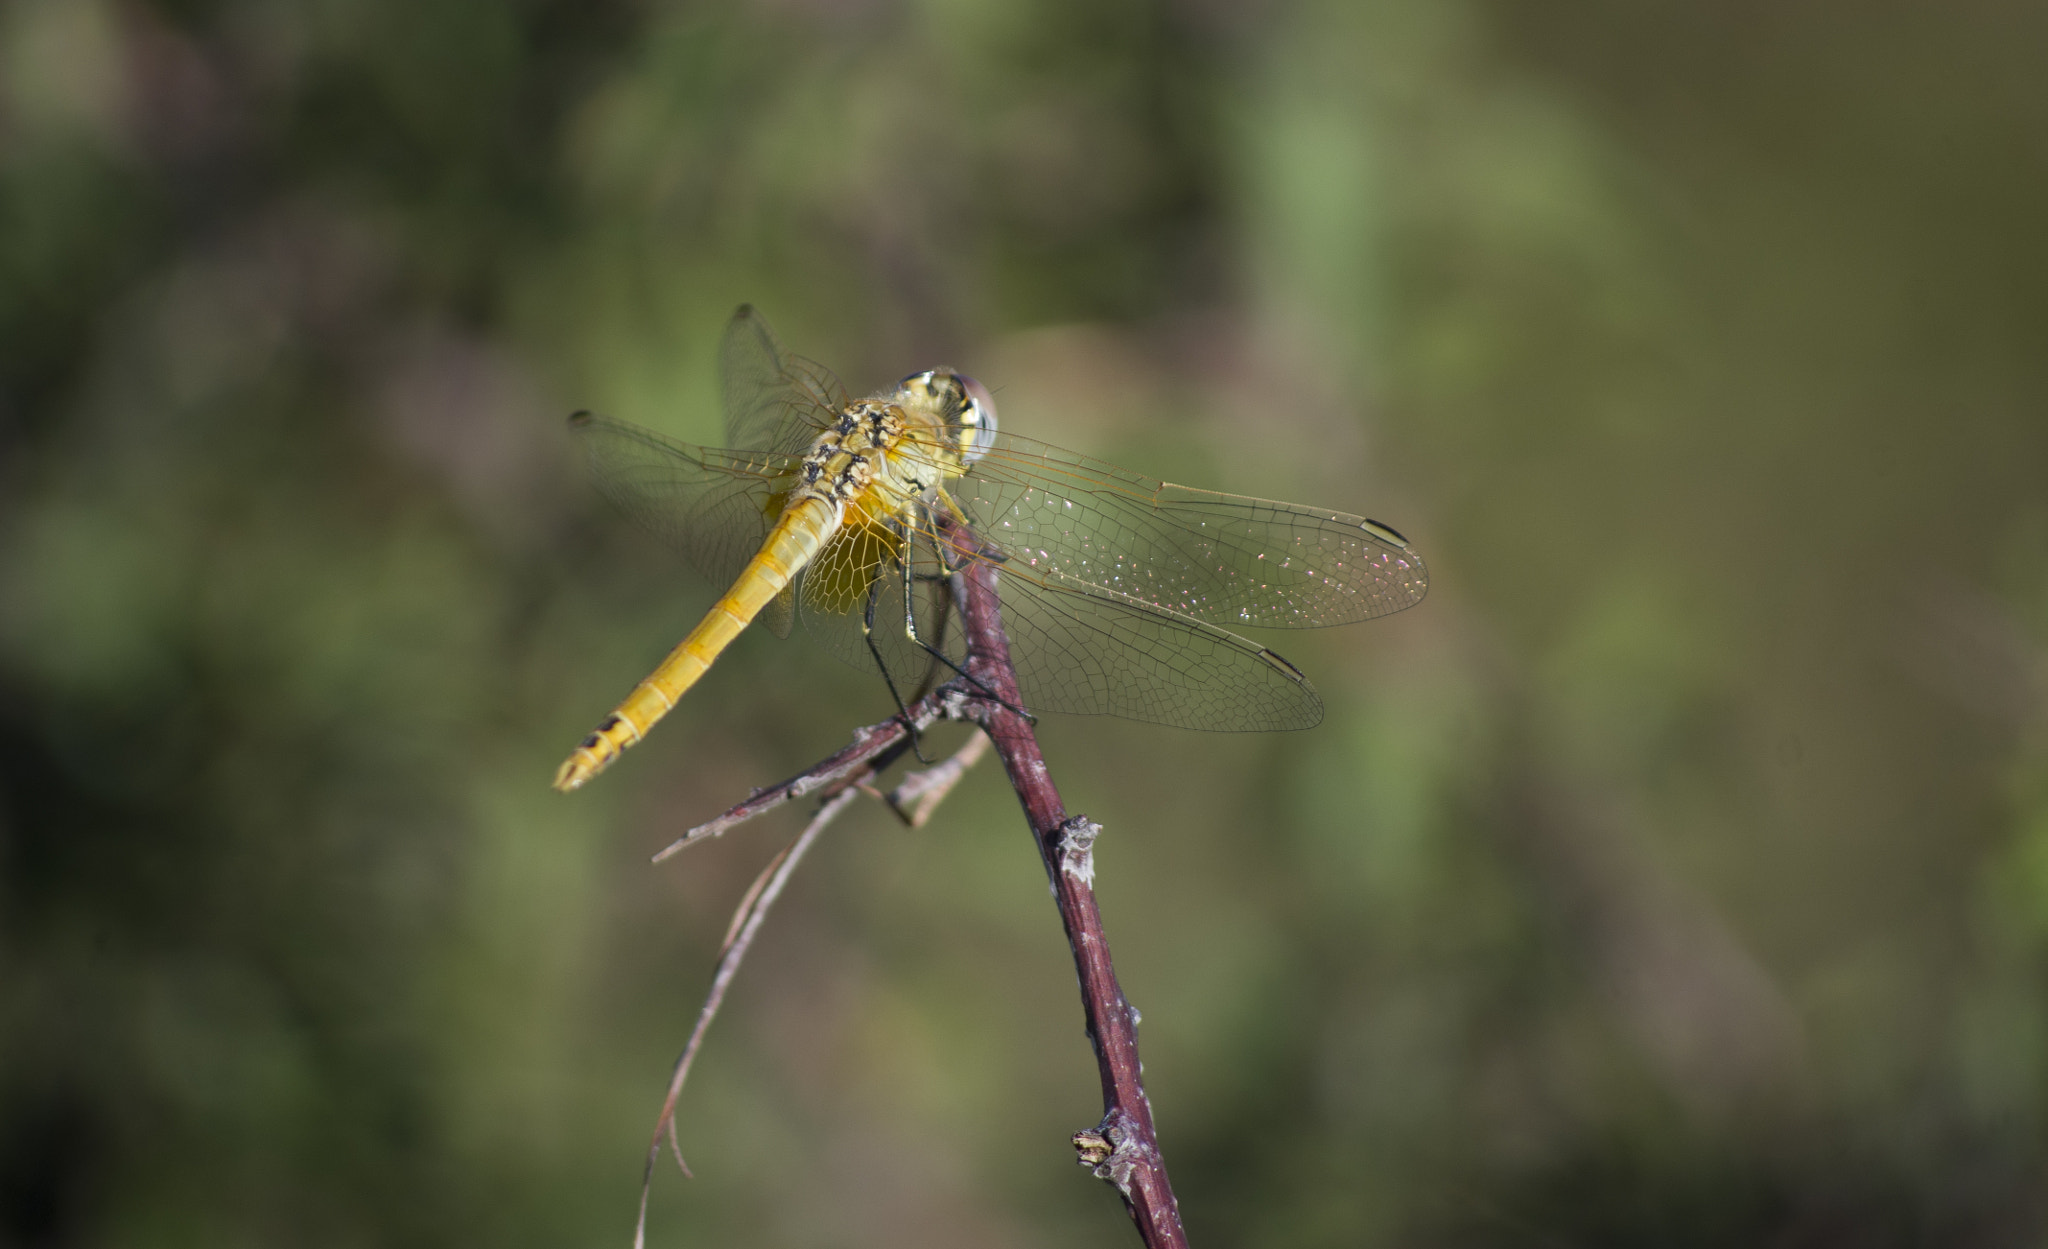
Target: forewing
[774, 401]
[714, 507]
[1218, 558]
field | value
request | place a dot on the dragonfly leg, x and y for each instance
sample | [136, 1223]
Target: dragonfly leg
[867, 633]
[910, 630]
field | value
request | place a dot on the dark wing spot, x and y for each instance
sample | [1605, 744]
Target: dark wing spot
[1274, 658]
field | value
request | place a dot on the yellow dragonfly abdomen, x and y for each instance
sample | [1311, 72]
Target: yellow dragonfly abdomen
[803, 528]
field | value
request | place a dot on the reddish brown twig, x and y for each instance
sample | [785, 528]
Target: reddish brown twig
[1123, 1148]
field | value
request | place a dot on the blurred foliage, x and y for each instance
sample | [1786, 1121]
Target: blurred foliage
[1678, 874]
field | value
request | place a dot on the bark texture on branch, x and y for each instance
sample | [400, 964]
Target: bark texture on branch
[1123, 1149]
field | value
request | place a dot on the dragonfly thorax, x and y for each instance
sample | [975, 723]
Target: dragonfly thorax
[875, 459]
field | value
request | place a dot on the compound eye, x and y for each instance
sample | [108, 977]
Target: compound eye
[977, 420]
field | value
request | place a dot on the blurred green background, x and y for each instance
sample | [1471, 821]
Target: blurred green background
[1677, 874]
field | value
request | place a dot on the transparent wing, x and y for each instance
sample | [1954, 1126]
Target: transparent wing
[714, 507]
[1076, 647]
[1079, 650]
[1114, 587]
[1218, 558]
[773, 400]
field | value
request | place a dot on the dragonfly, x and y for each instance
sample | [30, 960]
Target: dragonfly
[1118, 591]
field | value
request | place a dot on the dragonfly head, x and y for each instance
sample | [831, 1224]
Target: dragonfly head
[959, 403]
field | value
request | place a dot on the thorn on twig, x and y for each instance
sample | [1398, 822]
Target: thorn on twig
[1077, 848]
[1093, 1147]
[1111, 1150]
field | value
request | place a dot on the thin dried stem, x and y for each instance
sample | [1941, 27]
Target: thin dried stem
[753, 910]
[918, 794]
[844, 776]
